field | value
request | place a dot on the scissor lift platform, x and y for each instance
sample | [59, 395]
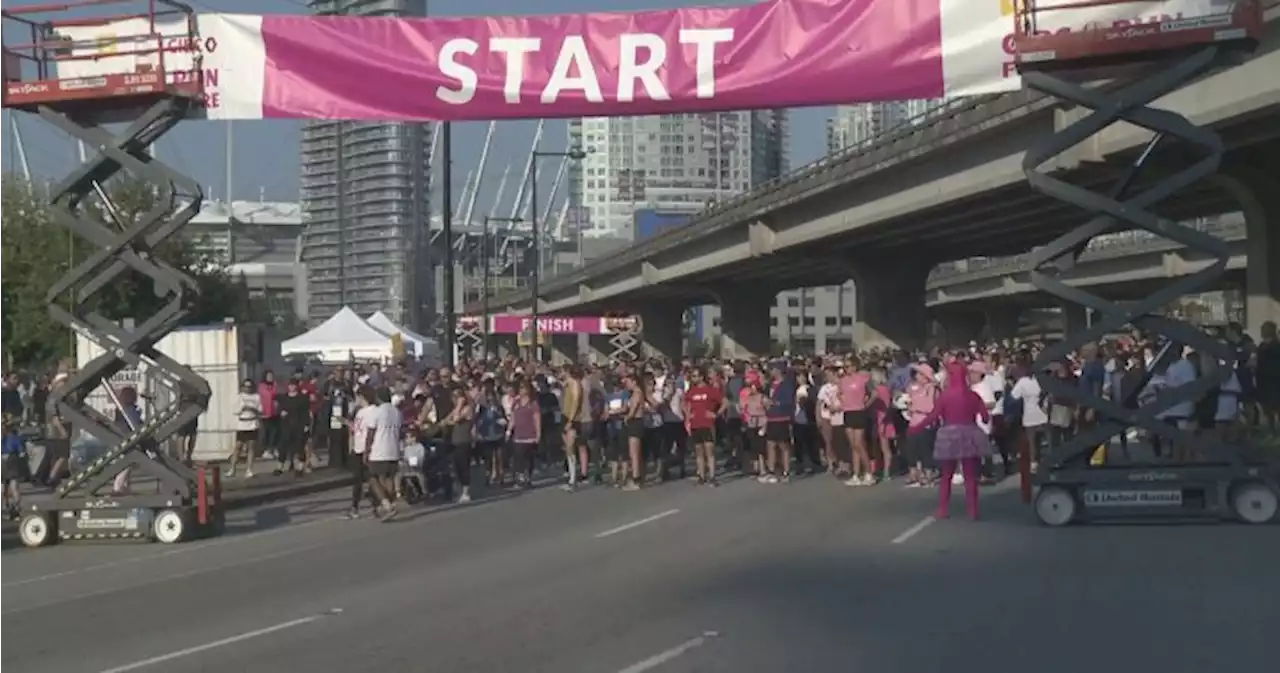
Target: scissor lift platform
[83, 65]
[1065, 49]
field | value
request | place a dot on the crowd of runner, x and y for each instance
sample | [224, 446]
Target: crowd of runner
[948, 416]
[939, 418]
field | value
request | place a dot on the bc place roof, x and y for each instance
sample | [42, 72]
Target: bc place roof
[250, 212]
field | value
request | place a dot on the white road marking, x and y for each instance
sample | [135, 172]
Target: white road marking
[444, 511]
[665, 656]
[248, 635]
[182, 549]
[634, 524]
[165, 578]
[441, 513]
[914, 530]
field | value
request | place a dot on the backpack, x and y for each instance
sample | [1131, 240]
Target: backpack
[490, 422]
[1012, 408]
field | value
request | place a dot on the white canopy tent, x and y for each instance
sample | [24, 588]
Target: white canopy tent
[423, 347]
[339, 339]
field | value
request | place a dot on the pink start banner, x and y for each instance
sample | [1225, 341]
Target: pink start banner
[772, 54]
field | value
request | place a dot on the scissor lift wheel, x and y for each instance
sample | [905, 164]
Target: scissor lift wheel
[1254, 502]
[171, 525]
[1055, 506]
[36, 529]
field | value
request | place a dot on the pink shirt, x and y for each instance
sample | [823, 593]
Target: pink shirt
[267, 396]
[920, 402]
[853, 391]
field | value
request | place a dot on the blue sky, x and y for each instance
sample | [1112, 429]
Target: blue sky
[265, 156]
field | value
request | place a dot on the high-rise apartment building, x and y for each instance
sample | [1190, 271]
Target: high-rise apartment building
[366, 204]
[673, 163]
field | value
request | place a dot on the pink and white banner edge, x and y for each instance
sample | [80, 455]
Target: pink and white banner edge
[776, 54]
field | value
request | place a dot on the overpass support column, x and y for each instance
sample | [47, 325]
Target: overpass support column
[564, 349]
[1003, 322]
[889, 306]
[745, 326]
[961, 327]
[662, 330]
[1075, 319]
[1257, 188]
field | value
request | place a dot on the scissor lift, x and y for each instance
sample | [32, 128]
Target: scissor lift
[1140, 63]
[83, 65]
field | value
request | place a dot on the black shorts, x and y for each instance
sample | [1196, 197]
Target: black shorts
[582, 432]
[635, 428]
[857, 420]
[16, 467]
[1268, 394]
[703, 435]
[594, 434]
[752, 444]
[917, 447]
[616, 445]
[777, 431]
[244, 436]
[384, 468]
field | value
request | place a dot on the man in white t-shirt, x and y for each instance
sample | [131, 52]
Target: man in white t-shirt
[382, 452]
[365, 418]
[1034, 419]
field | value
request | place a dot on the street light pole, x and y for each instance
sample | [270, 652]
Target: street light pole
[451, 320]
[484, 288]
[575, 154]
[535, 348]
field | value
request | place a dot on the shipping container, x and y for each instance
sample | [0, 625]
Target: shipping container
[649, 222]
[223, 354]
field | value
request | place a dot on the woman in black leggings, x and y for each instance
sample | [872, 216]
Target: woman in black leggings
[461, 438]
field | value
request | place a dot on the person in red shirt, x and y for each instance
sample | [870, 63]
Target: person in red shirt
[703, 404]
[311, 390]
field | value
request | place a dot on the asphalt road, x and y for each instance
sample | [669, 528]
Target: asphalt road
[811, 576]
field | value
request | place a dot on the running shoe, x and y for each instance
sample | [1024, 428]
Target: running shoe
[770, 479]
[353, 514]
[631, 486]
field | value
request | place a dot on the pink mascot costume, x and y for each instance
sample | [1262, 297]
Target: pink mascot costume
[960, 439]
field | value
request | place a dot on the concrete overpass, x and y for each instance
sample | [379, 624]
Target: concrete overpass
[950, 187]
[990, 298]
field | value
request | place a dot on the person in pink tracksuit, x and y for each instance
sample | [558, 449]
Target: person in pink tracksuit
[960, 441]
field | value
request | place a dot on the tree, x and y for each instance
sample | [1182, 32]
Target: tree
[38, 252]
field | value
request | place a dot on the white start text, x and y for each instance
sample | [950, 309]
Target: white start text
[640, 59]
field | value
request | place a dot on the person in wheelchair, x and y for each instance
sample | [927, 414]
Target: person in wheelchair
[411, 481]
